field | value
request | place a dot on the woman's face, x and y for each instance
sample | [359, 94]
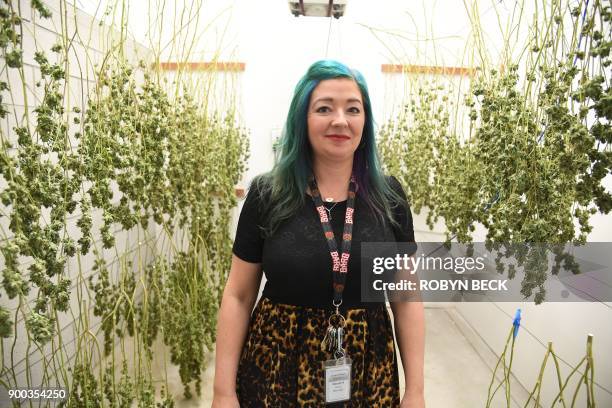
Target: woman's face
[335, 119]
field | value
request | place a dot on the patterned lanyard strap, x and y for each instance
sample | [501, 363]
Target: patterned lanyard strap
[340, 262]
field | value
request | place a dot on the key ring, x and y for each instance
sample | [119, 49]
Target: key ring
[338, 322]
[337, 306]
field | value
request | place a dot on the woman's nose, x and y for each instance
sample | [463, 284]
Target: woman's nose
[339, 119]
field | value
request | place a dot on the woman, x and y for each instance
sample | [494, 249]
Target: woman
[302, 224]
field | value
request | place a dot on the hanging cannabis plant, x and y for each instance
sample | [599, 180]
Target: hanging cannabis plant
[536, 154]
[140, 160]
[178, 167]
[38, 176]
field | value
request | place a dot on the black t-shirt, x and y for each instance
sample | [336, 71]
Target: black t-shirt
[296, 259]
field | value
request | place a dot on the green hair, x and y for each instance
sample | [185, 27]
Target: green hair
[284, 187]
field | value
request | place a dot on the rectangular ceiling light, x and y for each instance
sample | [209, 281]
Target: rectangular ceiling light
[317, 8]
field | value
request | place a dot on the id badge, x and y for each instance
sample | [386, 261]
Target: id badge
[337, 379]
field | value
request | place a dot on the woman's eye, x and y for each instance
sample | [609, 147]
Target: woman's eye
[323, 109]
[354, 110]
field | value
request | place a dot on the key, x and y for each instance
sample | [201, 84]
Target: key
[324, 341]
[328, 339]
[332, 339]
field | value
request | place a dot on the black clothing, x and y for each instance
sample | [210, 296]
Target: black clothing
[296, 259]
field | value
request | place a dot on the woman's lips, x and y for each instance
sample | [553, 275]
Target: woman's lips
[338, 137]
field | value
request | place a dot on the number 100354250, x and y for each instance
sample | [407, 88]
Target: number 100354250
[37, 393]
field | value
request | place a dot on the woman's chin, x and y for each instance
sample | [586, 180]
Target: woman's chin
[339, 155]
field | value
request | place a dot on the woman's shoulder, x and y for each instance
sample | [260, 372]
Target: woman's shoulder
[404, 231]
[260, 185]
[392, 180]
[395, 185]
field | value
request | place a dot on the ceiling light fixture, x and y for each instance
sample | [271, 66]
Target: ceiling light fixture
[317, 8]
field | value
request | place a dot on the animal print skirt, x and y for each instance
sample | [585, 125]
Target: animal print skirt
[281, 362]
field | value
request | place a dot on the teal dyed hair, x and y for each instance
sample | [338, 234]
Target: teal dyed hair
[285, 185]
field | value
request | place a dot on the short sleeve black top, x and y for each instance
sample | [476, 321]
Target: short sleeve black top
[295, 258]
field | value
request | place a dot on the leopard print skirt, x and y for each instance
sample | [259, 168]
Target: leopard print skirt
[281, 362]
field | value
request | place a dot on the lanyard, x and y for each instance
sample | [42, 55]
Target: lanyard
[340, 262]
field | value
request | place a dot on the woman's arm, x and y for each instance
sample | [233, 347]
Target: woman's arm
[239, 297]
[409, 323]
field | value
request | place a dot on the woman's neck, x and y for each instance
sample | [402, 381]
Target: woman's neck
[333, 177]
